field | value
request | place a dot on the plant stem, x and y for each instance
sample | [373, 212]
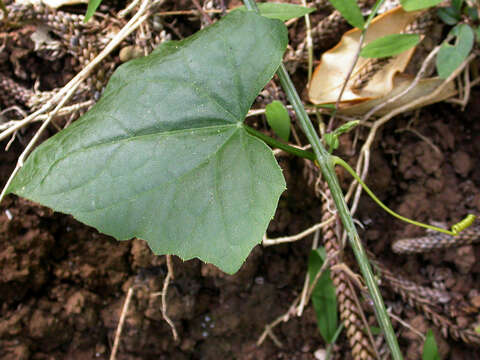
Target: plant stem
[328, 171]
[336, 160]
[275, 143]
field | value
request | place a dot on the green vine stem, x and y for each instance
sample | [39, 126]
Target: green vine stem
[454, 230]
[328, 171]
[275, 143]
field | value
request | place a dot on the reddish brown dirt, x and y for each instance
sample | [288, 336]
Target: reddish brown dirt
[62, 285]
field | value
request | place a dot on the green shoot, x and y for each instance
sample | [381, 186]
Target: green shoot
[324, 298]
[278, 119]
[430, 349]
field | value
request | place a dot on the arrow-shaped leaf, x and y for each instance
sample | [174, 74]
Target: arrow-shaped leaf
[451, 57]
[163, 155]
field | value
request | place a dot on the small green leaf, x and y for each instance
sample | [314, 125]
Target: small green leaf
[477, 329]
[448, 59]
[457, 4]
[350, 11]
[280, 11]
[324, 298]
[465, 38]
[278, 119]
[451, 57]
[390, 45]
[430, 350]
[347, 127]
[327, 106]
[412, 5]
[448, 15]
[331, 139]
[375, 330]
[164, 156]
[91, 8]
[471, 12]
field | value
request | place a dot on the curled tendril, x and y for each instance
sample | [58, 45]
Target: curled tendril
[462, 225]
[455, 230]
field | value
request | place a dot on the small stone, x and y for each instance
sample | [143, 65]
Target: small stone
[320, 354]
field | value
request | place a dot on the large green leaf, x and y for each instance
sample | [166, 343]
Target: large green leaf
[324, 298]
[280, 11]
[163, 155]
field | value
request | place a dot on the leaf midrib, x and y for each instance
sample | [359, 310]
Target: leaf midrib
[207, 159]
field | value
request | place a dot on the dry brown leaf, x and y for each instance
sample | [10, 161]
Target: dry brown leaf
[330, 75]
[401, 82]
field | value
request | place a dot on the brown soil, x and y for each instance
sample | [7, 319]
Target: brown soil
[62, 284]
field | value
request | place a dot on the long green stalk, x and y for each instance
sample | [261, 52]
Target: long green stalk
[327, 168]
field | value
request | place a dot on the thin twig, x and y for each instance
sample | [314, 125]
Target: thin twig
[268, 332]
[347, 78]
[62, 112]
[304, 292]
[414, 83]
[285, 239]
[282, 318]
[407, 325]
[202, 11]
[123, 315]
[166, 282]
[294, 309]
[319, 274]
[423, 137]
[309, 42]
[128, 9]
